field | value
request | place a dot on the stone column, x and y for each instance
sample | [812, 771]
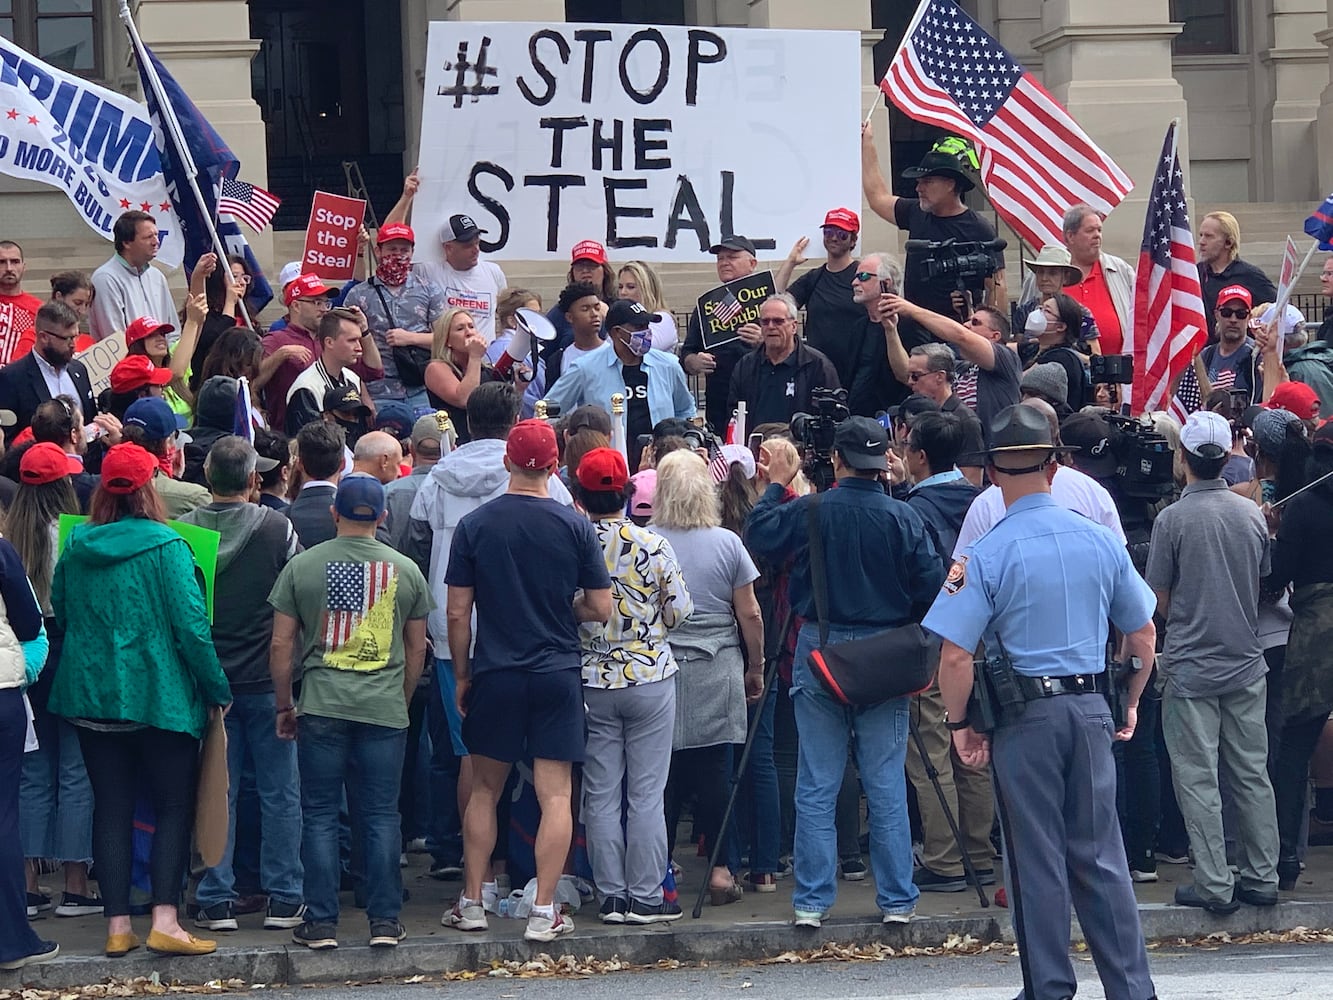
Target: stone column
[1291, 73]
[1110, 65]
[1323, 146]
[207, 47]
[417, 15]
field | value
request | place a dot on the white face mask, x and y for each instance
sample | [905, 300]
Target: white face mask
[1035, 325]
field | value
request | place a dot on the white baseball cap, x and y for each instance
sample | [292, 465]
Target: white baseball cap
[1293, 319]
[289, 273]
[1205, 431]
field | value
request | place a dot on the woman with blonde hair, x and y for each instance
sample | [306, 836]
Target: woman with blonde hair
[721, 667]
[639, 283]
[529, 381]
[457, 366]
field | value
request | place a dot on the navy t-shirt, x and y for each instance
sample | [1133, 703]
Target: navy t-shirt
[525, 557]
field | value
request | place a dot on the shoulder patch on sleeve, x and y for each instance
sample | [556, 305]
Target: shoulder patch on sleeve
[957, 578]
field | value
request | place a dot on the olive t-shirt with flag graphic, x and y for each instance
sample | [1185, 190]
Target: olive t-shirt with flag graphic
[351, 597]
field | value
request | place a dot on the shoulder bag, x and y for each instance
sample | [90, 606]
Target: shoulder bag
[891, 664]
[410, 361]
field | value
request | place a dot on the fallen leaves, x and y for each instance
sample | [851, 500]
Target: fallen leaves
[954, 944]
[1297, 935]
[543, 966]
[113, 989]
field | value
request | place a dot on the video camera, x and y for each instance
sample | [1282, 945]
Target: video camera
[1143, 458]
[814, 432]
[1112, 369]
[957, 264]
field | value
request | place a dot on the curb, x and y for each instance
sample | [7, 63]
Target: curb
[293, 966]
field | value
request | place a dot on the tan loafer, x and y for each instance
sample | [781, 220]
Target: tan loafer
[119, 945]
[164, 944]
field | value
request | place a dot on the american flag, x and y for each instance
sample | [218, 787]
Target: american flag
[252, 205]
[719, 467]
[1169, 323]
[1035, 159]
[728, 308]
[243, 417]
[352, 589]
[1187, 398]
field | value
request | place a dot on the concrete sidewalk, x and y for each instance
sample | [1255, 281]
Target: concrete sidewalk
[756, 927]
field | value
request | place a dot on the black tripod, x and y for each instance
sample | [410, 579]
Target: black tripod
[770, 672]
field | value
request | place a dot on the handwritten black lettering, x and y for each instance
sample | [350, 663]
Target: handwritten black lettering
[562, 49]
[590, 37]
[490, 204]
[558, 127]
[663, 66]
[615, 212]
[554, 183]
[686, 213]
[725, 215]
[698, 57]
[601, 143]
[643, 145]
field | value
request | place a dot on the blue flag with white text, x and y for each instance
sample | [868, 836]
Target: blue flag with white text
[213, 160]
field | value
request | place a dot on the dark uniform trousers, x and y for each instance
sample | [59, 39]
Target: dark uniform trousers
[1056, 779]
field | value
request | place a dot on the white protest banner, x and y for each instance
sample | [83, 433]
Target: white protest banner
[100, 359]
[657, 141]
[89, 142]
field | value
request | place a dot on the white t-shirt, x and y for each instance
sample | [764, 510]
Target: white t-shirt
[1071, 489]
[475, 290]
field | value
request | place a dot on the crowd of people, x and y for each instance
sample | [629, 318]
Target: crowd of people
[440, 564]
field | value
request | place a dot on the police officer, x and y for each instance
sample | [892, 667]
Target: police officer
[1040, 586]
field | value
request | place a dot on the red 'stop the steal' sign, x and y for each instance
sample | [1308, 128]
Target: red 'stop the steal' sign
[330, 237]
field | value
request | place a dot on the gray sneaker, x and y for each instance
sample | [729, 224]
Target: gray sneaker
[542, 928]
[471, 917]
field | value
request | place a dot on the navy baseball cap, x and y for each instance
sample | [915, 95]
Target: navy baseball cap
[155, 418]
[359, 498]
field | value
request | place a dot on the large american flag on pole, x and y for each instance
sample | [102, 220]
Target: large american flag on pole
[1169, 323]
[1036, 162]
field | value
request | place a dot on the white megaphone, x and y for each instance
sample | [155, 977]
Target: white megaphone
[529, 325]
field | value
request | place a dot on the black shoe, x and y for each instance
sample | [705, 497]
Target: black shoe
[646, 913]
[929, 881]
[280, 916]
[386, 933]
[1188, 895]
[447, 871]
[216, 918]
[1255, 897]
[853, 869]
[613, 910]
[46, 950]
[1288, 870]
[317, 936]
[37, 903]
[986, 876]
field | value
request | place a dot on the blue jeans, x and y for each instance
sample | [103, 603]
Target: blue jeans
[444, 827]
[880, 738]
[328, 750]
[55, 798]
[762, 817]
[250, 733]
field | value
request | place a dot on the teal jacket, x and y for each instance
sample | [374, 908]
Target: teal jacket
[138, 647]
[1313, 365]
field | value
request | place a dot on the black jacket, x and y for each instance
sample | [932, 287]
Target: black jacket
[809, 370]
[311, 517]
[943, 506]
[1238, 272]
[22, 389]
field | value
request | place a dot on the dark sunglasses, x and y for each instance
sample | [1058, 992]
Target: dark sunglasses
[774, 321]
[837, 233]
[1233, 313]
[865, 276]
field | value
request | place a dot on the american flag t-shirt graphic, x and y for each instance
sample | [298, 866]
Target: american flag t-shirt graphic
[728, 308]
[252, 205]
[357, 626]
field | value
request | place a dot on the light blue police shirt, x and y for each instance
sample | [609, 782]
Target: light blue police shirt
[1045, 580]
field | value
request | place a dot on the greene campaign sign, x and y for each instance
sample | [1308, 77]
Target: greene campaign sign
[656, 141]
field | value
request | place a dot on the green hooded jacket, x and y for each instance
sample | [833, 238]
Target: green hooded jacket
[138, 647]
[1313, 365]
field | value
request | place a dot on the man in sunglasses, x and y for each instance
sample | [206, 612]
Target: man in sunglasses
[1230, 363]
[835, 324]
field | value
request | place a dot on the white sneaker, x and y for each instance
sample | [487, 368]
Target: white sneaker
[899, 918]
[470, 917]
[543, 928]
[809, 918]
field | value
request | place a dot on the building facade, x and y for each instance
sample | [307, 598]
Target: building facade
[300, 87]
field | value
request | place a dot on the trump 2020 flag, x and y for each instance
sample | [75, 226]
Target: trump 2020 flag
[94, 145]
[1035, 159]
[1320, 224]
[213, 160]
[1169, 324]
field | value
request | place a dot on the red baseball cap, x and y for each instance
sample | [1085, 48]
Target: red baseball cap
[143, 327]
[1235, 292]
[531, 445]
[843, 218]
[588, 250]
[307, 286]
[1295, 397]
[136, 371]
[126, 468]
[45, 462]
[603, 470]
[395, 231]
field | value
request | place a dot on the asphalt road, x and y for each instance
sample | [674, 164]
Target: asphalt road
[1252, 972]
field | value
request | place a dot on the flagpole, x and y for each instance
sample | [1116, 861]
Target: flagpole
[177, 138]
[874, 106]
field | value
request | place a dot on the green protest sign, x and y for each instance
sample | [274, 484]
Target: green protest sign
[203, 543]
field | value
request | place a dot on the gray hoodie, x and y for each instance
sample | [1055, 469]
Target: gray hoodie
[462, 481]
[256, 543]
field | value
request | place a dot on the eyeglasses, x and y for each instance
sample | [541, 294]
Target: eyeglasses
[321, 303]
[837, 233]
[865, 276]
[69, 339]
[773, 321]
[914, 376]
[241, 279]
[1226, 313]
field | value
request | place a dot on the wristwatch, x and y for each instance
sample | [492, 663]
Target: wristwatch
[953, 727]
